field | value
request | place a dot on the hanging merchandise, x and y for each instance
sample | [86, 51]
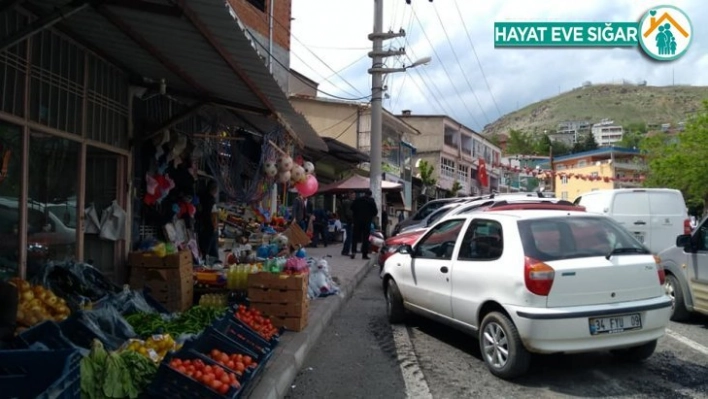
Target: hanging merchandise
[270, 169]
[92, 225]
[308, 187]
[297, 174]
[309, 167]
[113, 222]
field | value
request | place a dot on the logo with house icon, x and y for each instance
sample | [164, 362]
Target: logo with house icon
[665, 33]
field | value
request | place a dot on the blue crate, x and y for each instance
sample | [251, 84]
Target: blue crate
[213, 339]
[272, 343]
[239, 332]
[40, 374]
[169, 383]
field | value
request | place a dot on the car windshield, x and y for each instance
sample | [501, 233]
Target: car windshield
[427, 209]
[440, 213]
[556, 238]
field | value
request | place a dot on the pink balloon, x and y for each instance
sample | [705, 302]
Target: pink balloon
[308, 187]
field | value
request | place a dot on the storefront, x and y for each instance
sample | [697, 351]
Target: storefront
[76, 79]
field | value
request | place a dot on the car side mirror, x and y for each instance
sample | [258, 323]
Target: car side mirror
[684, 241]
[406, 249]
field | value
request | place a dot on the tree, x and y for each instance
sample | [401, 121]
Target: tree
[586, 143]
[631, 139]
[456, 187]
[519, 142]
[681, 161]
[495, 139]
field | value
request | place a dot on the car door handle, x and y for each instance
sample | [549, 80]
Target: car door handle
[640, 223]
[444, 269]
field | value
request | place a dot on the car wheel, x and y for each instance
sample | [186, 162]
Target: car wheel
[678, 304]
[636, 354]
[501, 347]
[394, 303]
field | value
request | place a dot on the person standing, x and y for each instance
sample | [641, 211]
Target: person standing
[208, 221]
[347, 219]
[320, 226]
[363, 211]
[299, 212]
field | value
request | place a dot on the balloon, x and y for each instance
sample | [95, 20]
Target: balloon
[308, 187]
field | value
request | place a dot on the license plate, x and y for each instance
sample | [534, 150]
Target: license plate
[615, 324]
[640, 237]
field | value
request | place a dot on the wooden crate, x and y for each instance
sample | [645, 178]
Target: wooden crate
[296, 309]
[151, 261]
[173, 288]
[278, 281]
[268, 295]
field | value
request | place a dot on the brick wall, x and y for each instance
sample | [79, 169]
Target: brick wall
[258, 20]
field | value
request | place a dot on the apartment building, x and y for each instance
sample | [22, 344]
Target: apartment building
[607, 133]
[519, 172]
[570, 132]
[604, 168]
[454, 150]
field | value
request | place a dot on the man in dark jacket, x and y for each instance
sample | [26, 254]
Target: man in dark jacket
[347, 218]
[363, 210]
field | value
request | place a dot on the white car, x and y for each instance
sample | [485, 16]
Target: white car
[533, 281]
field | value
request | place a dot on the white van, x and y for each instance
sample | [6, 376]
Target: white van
[654, 215]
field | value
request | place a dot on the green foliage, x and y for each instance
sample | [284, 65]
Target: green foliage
[426, 174]
[495, 139]
[528, 144]
[681, 161]
[456, 187]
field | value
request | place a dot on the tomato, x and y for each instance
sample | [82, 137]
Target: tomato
[247, 360]
[224, 358]
[182, 370]
[218, 372]
[198, 375]
[240, 367]
[208, 378]
[216, 385]
[176, 362]
[224, 389]
[225, 379]
[230, 364]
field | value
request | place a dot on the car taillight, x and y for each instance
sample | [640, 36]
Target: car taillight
[538, 276]
[687, 226]
[660, 270]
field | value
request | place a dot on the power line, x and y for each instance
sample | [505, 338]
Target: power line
[350, 65]
[464, 104]
[474, 51]
[433, 90]
[346, 129]
[289, 32]
[309, 84]
[459, 64]
[340, 122]
[336, 48]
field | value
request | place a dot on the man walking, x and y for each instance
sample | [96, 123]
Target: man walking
[347, 219]
[363, 211]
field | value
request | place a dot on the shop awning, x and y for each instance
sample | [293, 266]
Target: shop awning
[357, 183]
[198, 47]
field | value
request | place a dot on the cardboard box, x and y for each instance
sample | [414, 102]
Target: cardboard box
[283, 310]
[173, 288]
[278, 281]
[296, 236]
[149, 260]
[268, 295]
[296, 324]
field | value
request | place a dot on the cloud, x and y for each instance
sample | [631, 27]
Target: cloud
[336, 31]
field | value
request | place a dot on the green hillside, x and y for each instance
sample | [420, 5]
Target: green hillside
[624, 104]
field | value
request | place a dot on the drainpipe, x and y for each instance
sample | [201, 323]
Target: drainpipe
[270, 37]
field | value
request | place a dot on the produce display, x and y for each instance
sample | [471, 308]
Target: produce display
[37, 304]
[235, 361]
[155, 347]
[215, 377]
[256, 321]
[192, 321]
[114, 375]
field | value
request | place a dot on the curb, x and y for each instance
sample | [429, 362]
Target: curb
[280, 372]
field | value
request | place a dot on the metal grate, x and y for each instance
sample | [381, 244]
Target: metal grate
[107, 110]
[13, 65]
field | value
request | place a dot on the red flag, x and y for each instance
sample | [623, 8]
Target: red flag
[482, 176]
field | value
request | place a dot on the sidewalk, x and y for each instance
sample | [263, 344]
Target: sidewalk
[277, 376]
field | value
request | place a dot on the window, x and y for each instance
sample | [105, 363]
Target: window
[564, 179]
[440, 241]
[666, 203]
[438, 214]
[564, 195]
[632, 203]
[551, 239]
[463, 173]
[582, 163]
[428, 208]
[594, 174]
[447, 167]
[259, 4]
[10, 186]
[483, 241]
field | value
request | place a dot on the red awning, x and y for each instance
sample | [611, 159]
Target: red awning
[357, 183]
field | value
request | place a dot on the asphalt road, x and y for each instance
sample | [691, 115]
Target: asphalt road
[362, 356]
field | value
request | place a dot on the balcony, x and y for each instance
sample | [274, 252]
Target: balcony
[629, 166]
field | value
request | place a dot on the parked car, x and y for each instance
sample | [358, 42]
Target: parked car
[533, 281]
[686, 265]
[654, 215]
[412, 235]
[431, 218]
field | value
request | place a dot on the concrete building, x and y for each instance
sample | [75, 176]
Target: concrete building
[255, 17]
[604, 168]
[517, 173]
[570, 132]
[454, 150]
[349, 123]
[607, 133]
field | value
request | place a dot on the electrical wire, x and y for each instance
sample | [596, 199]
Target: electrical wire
[277, 61]
[454, 86]
[435, 89]
[459, 64]
[350, 65]
[474, 51]
[346, 129]
[340, 122]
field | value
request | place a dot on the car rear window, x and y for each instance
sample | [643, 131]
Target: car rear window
[558, 238]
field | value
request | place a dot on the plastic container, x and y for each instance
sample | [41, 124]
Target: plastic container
[236, 331]
[47, 334]
[40, 374]
[169, 383]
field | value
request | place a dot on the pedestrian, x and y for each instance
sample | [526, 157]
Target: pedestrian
[320, 226]
[299, 212]
[347, 219]
[208, 222]
[363, 211]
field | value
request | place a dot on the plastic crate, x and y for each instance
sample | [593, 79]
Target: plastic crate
[40, 374]
[213, 339]
[169, 383]
[47, 334]
[273, 342]
[82, 336]
[239, 332]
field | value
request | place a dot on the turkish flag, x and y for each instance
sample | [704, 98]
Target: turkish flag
[482, 176]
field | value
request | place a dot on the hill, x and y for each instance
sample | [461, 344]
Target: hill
[624, 104]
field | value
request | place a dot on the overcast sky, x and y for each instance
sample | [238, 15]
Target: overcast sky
[331, 36]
